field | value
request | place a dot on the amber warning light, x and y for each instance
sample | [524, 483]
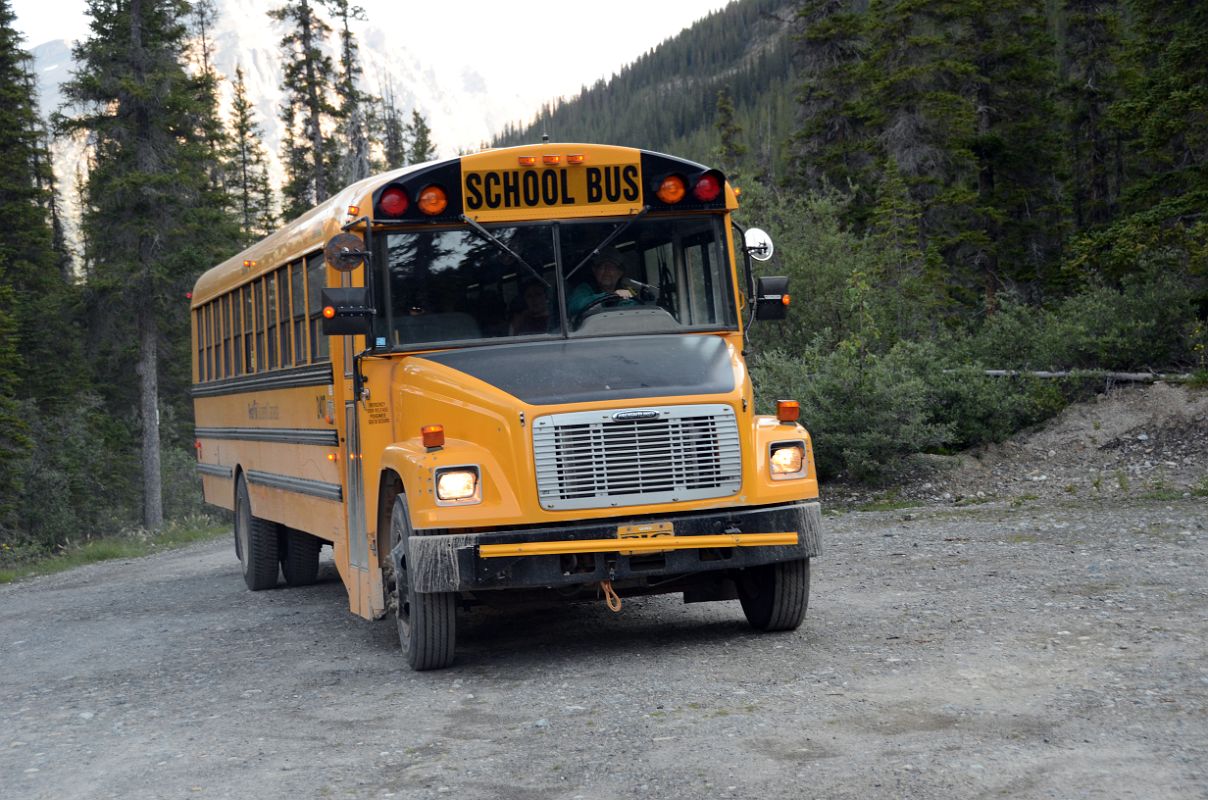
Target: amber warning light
[433, 435]
[788, 410]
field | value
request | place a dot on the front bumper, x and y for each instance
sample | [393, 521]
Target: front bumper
[570, 555]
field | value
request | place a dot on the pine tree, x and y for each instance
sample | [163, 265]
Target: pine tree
[732, 150]
[831, 147]
[1167, 109]
[1093, 52]
[354, 155]
[308, 152]
[202, 16]
[248, 171]
[14, 441]
[152, 217]
[420, 135]
[29, 264]
[393, 129]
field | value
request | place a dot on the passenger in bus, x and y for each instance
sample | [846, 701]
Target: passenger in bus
[606, 275]
[533, 314]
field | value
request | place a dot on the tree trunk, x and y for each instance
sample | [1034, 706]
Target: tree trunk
[148, 390]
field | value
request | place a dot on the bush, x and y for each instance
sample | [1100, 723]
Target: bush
[866, 413]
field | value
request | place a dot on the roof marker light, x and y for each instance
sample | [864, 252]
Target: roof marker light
[528, 161]
[551, 159]
[393, 201]
[671, 190]
[432, 200]
[578, 158]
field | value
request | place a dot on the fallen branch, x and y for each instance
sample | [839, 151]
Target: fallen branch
[1140, 377]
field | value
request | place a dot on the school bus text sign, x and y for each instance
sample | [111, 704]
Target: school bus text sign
[513, 192]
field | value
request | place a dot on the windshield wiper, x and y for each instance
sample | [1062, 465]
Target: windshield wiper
[495, 240]
[607, 241]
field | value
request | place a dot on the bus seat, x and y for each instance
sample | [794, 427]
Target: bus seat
[444, 327]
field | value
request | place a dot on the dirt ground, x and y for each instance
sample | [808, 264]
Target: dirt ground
[1043, 644]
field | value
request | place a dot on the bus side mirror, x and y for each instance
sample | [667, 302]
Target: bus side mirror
[347, 312]
[771, 297]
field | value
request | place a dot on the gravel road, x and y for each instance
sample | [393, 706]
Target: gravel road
[1042, 649]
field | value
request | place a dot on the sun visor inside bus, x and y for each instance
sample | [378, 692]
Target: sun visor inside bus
[575, 371]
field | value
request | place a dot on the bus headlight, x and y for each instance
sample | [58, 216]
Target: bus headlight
[787, 460]
[457, 485]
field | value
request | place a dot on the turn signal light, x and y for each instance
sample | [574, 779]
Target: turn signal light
[707, 188]
[329, 312]
[528, 161]
[354, 210]
[432, 200]
[788, 410]
[786, 298]
[671, 190]
[393, 202]
[433, 435]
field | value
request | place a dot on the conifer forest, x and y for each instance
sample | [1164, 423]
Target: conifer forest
[952, 186]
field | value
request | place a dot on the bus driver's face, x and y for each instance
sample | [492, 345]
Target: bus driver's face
[607, 275]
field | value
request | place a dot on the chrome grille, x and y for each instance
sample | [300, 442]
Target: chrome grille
[598, 459]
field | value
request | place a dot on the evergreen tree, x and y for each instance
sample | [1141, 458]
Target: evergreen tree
[354, 154]
[29, 265]
[1092, 57]
[308, 153]
[152, 216]
[420, 136]
[202, 16]
[248, 171]
[393, 129]
[1167, 109]
[14, 441]
[831, 146]
[732, 149]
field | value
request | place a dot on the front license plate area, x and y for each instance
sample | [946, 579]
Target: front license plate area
[647, 530]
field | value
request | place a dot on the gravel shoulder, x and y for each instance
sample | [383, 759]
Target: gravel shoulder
[1045, 649]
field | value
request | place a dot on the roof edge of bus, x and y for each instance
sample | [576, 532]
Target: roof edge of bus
[231, 272]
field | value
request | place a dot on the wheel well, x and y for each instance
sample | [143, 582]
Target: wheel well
[390, 487]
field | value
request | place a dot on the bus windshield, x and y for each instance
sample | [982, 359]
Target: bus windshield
[554, 279]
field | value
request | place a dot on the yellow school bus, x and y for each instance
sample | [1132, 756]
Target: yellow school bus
[516, 374]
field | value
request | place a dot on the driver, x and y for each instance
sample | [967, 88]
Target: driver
[606, 275]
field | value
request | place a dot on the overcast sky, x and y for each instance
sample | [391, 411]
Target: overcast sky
[576, 42]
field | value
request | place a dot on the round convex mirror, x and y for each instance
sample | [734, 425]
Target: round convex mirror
[759, 244]
[344, 252]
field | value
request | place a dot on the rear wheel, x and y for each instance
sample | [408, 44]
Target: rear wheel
[299, 557]
[774, 596]
[427, 623]
[256, 542]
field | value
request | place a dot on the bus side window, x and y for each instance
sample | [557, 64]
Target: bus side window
[316, 273]
[225, 304]
[236, 333]
[200, 344]
[297, 277]
[270, 326]
[249, 328]
[207, 319]
[283, 327]
[258, 312]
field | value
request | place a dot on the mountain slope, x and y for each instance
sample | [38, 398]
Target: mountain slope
[666, 100]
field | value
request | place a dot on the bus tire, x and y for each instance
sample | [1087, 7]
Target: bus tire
[774, 597]
[427, 622]
[257, 542]
[299, 557]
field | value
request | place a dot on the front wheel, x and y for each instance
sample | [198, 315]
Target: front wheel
[427, 622]
[774, 596]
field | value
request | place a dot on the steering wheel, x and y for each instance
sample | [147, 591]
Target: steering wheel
[610, 299]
